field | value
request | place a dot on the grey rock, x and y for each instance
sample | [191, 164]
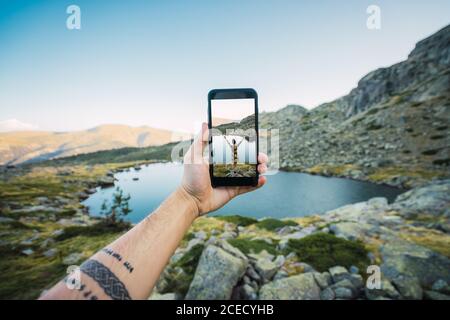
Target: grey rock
[163, 296]
[431, 199]
[28, 252]
[247, 292]
[57, 232]
[409, 259]
[441, 286]
[72, 259]
[280, 275]
[338, 273]
[344, 293]
[252, 273]
[279, 260]
[266, 269]
[408, 287]
[354, 270]
[201, 235]
[327, 294]
[387, 290]
[323, 279]
[433, 295]
[50, 253]
[299, 287]
[217, 273]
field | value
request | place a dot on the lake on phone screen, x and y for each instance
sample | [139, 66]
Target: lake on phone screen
[286, 194]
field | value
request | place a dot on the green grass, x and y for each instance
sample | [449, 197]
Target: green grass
[253, 246]
[323, 251]
[271, 224]
[179, 283]
[238, 220]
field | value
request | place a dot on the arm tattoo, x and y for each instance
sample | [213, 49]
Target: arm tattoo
[107, 280]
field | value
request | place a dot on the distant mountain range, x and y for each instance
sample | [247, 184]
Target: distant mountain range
[32, 146]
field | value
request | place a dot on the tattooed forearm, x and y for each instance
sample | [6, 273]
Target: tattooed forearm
[107, 280]
[119, 258]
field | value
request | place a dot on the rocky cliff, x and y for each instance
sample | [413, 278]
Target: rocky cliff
[392, 128]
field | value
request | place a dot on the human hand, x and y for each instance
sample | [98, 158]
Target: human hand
[196, 182]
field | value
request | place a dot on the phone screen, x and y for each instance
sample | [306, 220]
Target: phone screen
[234, 138]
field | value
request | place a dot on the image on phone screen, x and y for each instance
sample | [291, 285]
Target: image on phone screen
[234, 138]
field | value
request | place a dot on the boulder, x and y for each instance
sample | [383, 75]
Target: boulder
[404, 258]
[323, 279]
[299, 287]
[218, 271]
[431, 199]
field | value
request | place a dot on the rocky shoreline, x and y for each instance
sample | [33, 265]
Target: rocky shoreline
[408, 241]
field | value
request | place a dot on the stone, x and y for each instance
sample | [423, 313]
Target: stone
[299, 287]
[338, 273]
[263, 254]
[217, 273]
[350, 230]
[28, 252]
[280, 275]
[252, 273]
[306, 267]
[285, 230]
[344, 293]
[433, 295]
[327, 294]
[266, 269]
[279, 260]
[323, 279]
[228, 235]
[379, 203]
[50, 253]
[353, 270]
[163, 296]
[441, 286]
[408, 287]
[405, 258]
[387, 290]
[248, 293]
[200, 235]
[57, 232]
[72, 259]
[432, 198]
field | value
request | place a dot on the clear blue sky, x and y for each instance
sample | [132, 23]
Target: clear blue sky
[153, 62]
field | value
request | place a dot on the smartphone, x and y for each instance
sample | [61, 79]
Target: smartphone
[233, 137]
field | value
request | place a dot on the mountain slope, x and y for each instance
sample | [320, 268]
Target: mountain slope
[18, 147]
[394, 126]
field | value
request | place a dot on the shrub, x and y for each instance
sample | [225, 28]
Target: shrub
[253, 246]
[274, 224]
[323, 251]
[238, 220]
[94, 230]
[179, 283]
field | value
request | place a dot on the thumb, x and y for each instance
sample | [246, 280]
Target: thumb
[201, 141]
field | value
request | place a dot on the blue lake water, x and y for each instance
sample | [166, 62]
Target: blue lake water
[286, 194]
